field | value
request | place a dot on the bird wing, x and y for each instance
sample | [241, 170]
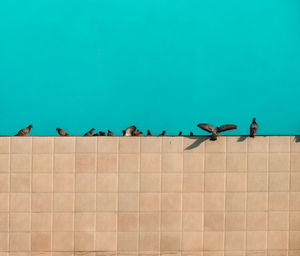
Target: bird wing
[226, 127]
[207, 127]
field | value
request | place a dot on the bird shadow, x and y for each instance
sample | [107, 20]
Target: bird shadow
[197, 142]
[297, 138]
[242, 138]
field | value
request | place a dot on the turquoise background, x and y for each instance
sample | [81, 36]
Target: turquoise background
[158, 64]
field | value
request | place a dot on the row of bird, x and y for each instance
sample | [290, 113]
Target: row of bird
[132, 131]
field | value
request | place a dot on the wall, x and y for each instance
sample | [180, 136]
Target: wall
[150, 196]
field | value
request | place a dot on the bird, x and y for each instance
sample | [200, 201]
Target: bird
[215, 131]
[89, 133]
[180, 133]
[149, 133]
[24, 131]
[253, 128]
[109, 133]
[191, 134]
[129, 131]
[62, 132]
[137, 133]
[162, 134]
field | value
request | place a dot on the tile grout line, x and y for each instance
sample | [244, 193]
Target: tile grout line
[225, 197]
[117, 197]
[246, 198]
[289, 199]
[160, 201]
[182, 181]
[9, 198]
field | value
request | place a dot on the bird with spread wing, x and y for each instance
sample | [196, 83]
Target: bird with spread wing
[215, 131]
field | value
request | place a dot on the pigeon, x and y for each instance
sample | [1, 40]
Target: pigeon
[90, 133]
[215, 131]
[129, 131]
[96, 134]
[62, 132]
[253, 128]
[109, 133]
[163, 133]
[191, 134]
[149, 133]
[102, 133]
[24, 131]
[180, 133]
[137, 133]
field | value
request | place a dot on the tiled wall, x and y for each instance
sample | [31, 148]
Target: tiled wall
[151, 196]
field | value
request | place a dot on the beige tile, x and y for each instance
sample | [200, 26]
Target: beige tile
[20, 162]
[4, 202]
[193, 182]
[294, 221]
[63, 202]
[149, 221]
[4, 222]
[42, 183]
[150, 182]
[4, 163]
[192, 241]
[20, 202]
[236, 162]
[193, 162]
[235, 201]
[86, 145]
[108, 144]
[279, 143]
[4, 145]
[150, 162]
[172, 162]
[42, 145]
[278, 240]
[235, 221]
[215, 162]
[295, 146]
[279, 162]
[63, 221]
[107, 162]
[170, 201]
[236, 144]
[213, 241]
[64, 145]
[192, 221]
[128, 182]
[280, 221]
[85, 221]
[192, 201]
[108, 222]
[257, 162]
[279, 181]
[257, 221]
[171, 221]
[171, 182]
[4, 182]
[235, 241]
[236, 182]
[63, 182]
[294, 240]
[85, 202]
[257, 201]
[257, 182]
[258, 144]
[295, 201]
[170, 241]
[41, 241]
[129, 145]
[20, 145]
[106, 202]
[295, 182]
[107, 182]
[128, 241]
[194, 144]
[19, 222]
[64, 163]
[85, 183]
[295, 162]
[214, 221]
[62, 241]
[128, 222]
[20, 182]
[19, 241]
[148, 202]
[41, 202]
[214, 182]
[41, 222]
[214, 201]
[151, 144]
[106, 241]
[256, 240]
[42, 163]
[149, 241]
[172, 144]
[128, 202]
[85, 162]
[4, 241]
[278, 201]
[217, 146]
[84, 241]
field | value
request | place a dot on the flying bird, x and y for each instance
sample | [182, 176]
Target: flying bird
[109, 133]
[149, 133]
[62, 132]
[24, 131]
[215, 131]
[162, 134]
[89, 133]
[180, 133]
[253, 128]
[129, 131]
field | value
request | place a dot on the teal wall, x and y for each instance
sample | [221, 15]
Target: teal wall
[159, 64]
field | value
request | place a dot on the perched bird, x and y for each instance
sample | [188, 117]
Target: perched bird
[24, 131]
[215, 131]
[129, 131]
[109, 133]
[149, 133]
[62, 132]
[102, 133]
[96, 134]
[180, 133]
[89, 133]
[137, 133]
[253, 128]
[162, 134]
[191, 134]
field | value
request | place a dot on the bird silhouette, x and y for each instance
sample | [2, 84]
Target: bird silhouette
[253, 128]
[129, 131]
[24, 131]
[191, 134]
[162, 134]
[137, 133]
[109, 133]
[149, 133]
[180, 133]
[215, 131]
[89, 133]
[62, 132]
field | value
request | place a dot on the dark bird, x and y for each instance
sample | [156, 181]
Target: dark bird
[162, 134]
[62, 132]
[137, 133]
[215, 131]
[253, 128]
[129, 131]
[180, 133]
[96, 134]
[24, 131]
[102, 133]
[191, 134]
[149, 133]
[109, 133]
[89, 133]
